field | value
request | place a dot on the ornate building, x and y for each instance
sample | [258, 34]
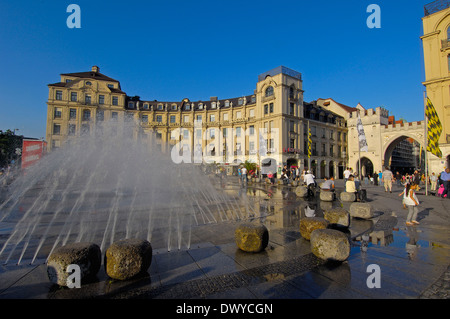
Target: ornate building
[436, 49]
[268, 126]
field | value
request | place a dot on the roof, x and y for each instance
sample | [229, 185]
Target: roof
[90, 75]
[349, 109]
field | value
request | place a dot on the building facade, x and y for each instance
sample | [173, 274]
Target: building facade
[269, 127]
[436, 49]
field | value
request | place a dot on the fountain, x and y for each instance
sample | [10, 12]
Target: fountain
[106, 188]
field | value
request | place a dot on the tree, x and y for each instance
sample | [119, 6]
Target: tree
[8, 144]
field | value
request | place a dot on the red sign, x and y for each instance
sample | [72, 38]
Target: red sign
[32, 151]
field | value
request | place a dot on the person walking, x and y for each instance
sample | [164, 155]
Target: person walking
[244, 176]
[445, 177]
[346, 174]
[380, 177]
[412, 202]
[387, 179]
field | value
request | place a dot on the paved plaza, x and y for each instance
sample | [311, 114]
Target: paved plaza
[413, 260]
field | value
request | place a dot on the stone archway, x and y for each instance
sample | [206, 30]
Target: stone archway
[404, 154]
[367, 168]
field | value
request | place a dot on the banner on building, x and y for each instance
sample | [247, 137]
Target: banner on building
[363, 147]
[434, 129]
[32, 152]
[309, 143]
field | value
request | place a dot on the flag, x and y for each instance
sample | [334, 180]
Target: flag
[434, 129]
[309, 143]
[361, 136]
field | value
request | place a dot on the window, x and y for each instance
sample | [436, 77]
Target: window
[271, 107]
[111, 86]
[160, 107]
[100, 115]
[187, 107]
[200, 106]
[101, 99]
[251, 130]
[56, 129]
[87, 99]
[174, 107]
[114, 116]
[269, 91]
[199, 118]
[159, 118]
[331, 135]
[172, 119]
[212, 133]
[115, 100]
[253, 99]
[313, 130]
[131, 105]
[266, 109]
[291, 126]
[224, 132]
[73, 96]
[241, 101]
[213, 105]
[291, 92]
[252, 113]
[238, 132]
[57, 113]
[292, 143]
[227, 103]
[72, 129]
[212, 118]
[86, 115]
[251, 146]
[144, 119]
[88, 83]
[145, 106]
[225, 116]
[186, 119]
[291, 109]
[58, 95]
[72, 114]
[238, 114]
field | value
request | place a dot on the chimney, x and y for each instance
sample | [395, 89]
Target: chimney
[95, 69]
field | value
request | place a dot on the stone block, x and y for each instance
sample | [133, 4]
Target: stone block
[128, 258]
[309, 224]
[251, 238]
[326, 196]
[361, 210]
[347, 197]
[301, 191]
[337, 216]
[86, 255]
[330, 245]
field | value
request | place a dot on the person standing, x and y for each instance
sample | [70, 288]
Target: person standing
[387, 179]
[380, 177]
[244, 175]
[433, 180]
[346, 174]
[445, 177]
[412, 202]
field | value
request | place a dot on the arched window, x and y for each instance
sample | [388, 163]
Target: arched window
[448, 33]
[269, 91]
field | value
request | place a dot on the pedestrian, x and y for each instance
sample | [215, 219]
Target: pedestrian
[375, 179]
[380, 177]
[346, 174]
[398, 178]
[350, 187]
[244, 175]
[387, 179]
[433, 179]
[310, 182]
[412, 202]
[328, 184]
[445, 177]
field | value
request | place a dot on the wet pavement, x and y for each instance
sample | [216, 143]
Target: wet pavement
[413, 261]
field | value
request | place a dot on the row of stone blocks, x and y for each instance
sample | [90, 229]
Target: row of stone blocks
[326, 196]
[328, 242]
[123, 260]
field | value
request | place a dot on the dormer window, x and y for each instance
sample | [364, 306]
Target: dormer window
[227, 103]
[88, 83]
[200, 106]
[187, 106]
[174, 107]
[160, 107]
[241, 101]
[213, 105]
[269, 91]
[111, 86]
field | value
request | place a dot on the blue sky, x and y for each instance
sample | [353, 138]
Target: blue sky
[170, 50]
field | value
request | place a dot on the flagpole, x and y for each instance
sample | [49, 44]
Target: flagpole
[309, 146]
[425, 142]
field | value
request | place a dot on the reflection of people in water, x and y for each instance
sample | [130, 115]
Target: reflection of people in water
[310, 211]
[411, 245]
